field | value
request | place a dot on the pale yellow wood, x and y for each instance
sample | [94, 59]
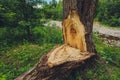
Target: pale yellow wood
[74, 32]
[65, 53]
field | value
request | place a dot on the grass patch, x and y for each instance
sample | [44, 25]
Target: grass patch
[20, 59]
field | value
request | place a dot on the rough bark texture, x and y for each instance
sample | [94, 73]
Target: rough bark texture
[78, 44]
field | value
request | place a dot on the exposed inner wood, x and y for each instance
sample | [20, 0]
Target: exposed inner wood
[74, 48]
[74, 32]
[65, 53]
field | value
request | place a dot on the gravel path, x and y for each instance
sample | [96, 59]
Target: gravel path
[106, 30]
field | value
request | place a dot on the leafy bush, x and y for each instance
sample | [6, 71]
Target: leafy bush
[108, 12]
[48, 35]
[11, 36]
[53, 10]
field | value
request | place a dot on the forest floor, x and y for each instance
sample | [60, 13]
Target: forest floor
[110, 34]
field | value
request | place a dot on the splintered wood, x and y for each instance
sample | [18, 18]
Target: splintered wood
[74, 32]
[74, 48]
[65, 53]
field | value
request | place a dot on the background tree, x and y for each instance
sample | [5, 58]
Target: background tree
[108, 12]
[26, 16]
[53, 3]
[8, 14]
[17, 13]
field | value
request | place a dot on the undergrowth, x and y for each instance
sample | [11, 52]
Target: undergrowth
[17, 59]
[107, 68]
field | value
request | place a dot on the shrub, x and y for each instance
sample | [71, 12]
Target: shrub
[47, 34]
[108, 12]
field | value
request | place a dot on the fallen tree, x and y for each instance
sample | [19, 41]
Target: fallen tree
[78, 43]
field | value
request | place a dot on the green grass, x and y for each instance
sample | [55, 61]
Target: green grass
[20, 59]
[109, 53]
[17, 59]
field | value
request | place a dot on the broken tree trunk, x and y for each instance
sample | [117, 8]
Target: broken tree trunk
[78, 44]
[86, 11]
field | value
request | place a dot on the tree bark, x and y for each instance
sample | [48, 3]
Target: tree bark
[86, 11]
[78, 43]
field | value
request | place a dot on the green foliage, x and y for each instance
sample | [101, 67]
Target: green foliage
[17, 57]
[53, 3]
[48, 34]
[108, 12]
[52, 10]
[17, 13]
[11, 36]
[21, 15]
[16, 36]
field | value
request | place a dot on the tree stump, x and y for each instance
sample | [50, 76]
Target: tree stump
[78, 44]
[55, 63]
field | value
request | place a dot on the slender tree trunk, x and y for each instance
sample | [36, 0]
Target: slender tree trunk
[78, 44]
[26, 11]
[29, 34]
